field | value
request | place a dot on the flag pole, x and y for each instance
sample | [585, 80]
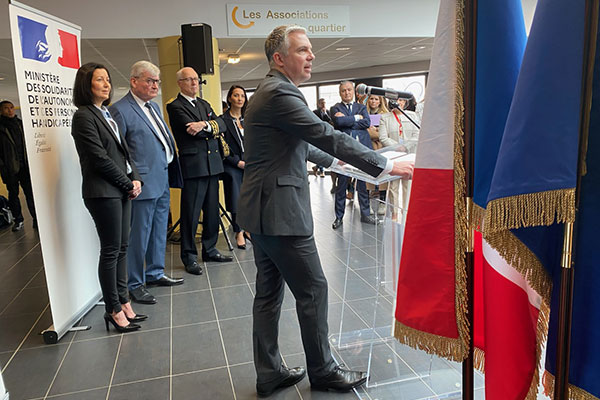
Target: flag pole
[469, 101]
[561, 388]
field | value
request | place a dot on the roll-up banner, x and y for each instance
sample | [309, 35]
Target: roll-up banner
[3, 392]
[47, 55]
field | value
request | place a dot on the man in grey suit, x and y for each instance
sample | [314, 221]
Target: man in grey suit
[281, 133]
[153, 151]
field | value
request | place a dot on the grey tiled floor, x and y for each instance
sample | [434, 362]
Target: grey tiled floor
[197, 343]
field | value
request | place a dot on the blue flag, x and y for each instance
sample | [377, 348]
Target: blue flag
[533, 186]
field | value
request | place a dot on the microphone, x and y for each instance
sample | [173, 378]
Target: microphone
[391, 94]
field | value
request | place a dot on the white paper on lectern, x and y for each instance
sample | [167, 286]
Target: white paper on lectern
[391, 153]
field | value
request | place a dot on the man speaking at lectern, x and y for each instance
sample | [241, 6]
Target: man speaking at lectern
[280, 134]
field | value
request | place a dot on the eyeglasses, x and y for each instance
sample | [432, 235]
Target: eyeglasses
[151, 81]
[190, 79]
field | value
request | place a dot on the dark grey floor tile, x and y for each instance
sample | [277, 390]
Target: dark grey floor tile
[31, 371]
[225, 275]
[159, 291]
[237, 335]
[143, 355]
[4, 357]
[343, 319]
[191, 283]
[29, 301]
[146, 390]
[245, 255]
[379, 316]
[233, 301]
[19, 326]
[38, 281]
[19, 277]
[193, 307]
[159, 314]
[249, 270]
[98, 357]
[7, 295]
[96, 394]
[212, 384]
[197, 347]
[244, 381]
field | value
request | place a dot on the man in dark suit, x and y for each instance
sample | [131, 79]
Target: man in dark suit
[280, 134]
[14, 168]
[153, 151]
[197, 129]
[323, 113]
[353, 119]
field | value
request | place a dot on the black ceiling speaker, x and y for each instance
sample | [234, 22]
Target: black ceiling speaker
[197, 47]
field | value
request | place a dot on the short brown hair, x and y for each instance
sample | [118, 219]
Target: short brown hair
[82, 89]
[278, 41]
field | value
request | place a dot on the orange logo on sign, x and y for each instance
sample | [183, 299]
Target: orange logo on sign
[237, 23]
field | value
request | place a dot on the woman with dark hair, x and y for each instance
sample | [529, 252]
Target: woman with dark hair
[110, 181]
[234, 163]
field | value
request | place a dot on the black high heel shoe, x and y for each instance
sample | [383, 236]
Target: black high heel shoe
[137, 318]
[241, 246]
[121, 329]
[247, 236]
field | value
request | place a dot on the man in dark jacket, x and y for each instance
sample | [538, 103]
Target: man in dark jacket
[13, 163]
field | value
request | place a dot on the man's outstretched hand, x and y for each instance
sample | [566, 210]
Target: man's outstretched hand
[403, 168]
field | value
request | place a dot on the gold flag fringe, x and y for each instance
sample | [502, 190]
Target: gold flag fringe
[477, 217]
[531, 209]
[575, 393]
[452, 349]
[522, 259]
[461, 222]
[479, 359]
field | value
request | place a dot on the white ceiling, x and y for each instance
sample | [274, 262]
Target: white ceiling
[119, 54]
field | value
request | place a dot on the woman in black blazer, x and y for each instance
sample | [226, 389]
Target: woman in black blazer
[110, 181]
[234, 163]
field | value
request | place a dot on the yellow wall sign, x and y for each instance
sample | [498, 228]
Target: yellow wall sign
[259, 19]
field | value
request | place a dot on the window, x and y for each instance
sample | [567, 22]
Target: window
[310, 94]
[414, 84]
[331, 94]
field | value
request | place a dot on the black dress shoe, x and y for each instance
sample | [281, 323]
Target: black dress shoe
[194, 268]
[337, 223]
[142, 295]
[293, 376]
[121, 329]
[18, 226]
[218, 257]
[342, 380]
[137, 318]
[368, 219]
[166, 280]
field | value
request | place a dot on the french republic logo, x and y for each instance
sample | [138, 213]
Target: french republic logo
[34, 43]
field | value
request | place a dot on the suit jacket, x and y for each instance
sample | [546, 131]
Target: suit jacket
[323, 117]
[200, 155]
[280, 134]
[349, 125]
[146, 148]
[389, 130]
[102, 157]
[235, 142]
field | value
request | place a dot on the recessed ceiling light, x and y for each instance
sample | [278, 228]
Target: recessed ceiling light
[233, 58]
[342, 48]
[122, 87]
[418, 47]
[1, 78]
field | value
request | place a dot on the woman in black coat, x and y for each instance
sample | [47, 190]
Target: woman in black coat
[234, 163]
[110, 181]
